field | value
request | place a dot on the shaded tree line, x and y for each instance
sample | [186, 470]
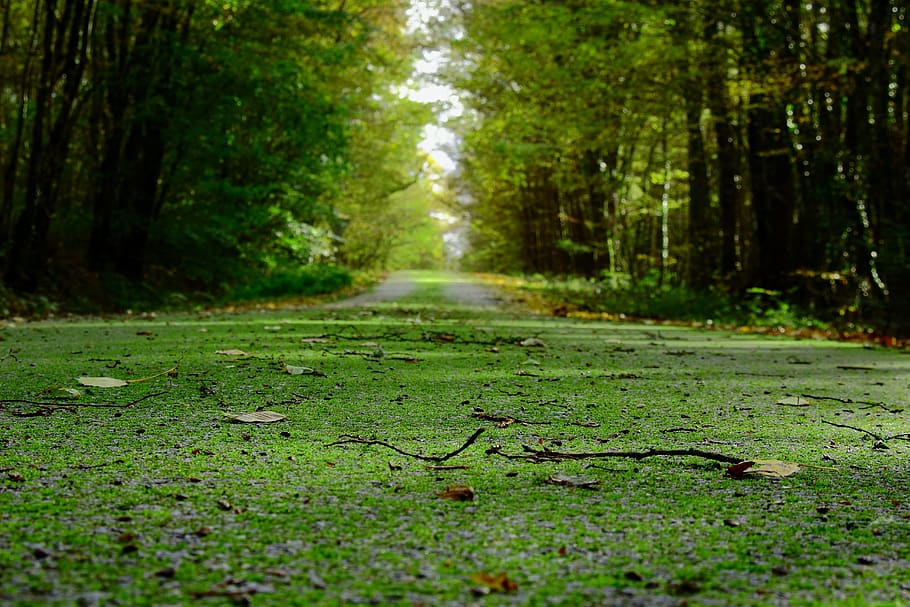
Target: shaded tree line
[192, 143]
[721, 144]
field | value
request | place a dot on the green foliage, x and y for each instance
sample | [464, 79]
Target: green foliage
[729, 144]
[648, 298]
[289, 282]
[205, 142]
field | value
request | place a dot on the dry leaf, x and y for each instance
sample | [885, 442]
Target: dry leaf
[102, 382]
[773, 468]
[316, 340]
[458, 493]
[292, 370]
[256, 417]
[533, 342]
[495, 583]
[737, 470]
[794, 401]
[232, 352]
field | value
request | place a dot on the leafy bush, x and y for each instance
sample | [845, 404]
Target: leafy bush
[647, 298]
[297, 281]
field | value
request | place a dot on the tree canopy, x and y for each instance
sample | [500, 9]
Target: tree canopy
[198, 143]
[739, 144]
[713, 146]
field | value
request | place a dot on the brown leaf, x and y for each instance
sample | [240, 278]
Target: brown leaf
[737, 470]
[496, 583]
[458, 493]
[224, 504]
[15, 477]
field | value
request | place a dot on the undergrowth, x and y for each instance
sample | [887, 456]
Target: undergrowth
[649, 299]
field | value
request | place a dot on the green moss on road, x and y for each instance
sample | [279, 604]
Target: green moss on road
[166, 502]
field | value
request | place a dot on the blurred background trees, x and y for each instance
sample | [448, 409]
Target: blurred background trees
[722, 148]
[197, 145]
[725, 145]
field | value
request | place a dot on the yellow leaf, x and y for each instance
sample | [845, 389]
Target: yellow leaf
[292, 370]
[232, 352]
[102, 382]
[772, 468]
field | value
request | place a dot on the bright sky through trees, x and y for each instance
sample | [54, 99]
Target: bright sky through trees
[424, 87]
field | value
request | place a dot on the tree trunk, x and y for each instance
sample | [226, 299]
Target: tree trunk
[65, 41]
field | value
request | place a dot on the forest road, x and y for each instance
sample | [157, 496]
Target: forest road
[457, 289]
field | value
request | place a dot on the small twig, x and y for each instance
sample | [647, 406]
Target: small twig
[883, 406]
[668, 430]
[864, 431]
[546, 455]
[427, 458]
[52, 405]
[170, 372]
[881, 439]
[504, 421]
[846, 401]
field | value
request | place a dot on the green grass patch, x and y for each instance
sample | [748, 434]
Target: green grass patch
[165, 501]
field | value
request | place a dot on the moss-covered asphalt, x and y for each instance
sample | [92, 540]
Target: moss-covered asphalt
[147, 494]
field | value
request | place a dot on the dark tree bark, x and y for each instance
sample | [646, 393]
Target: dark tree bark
[139, 94]
[769, 156]
[64, 48]
[702, 256]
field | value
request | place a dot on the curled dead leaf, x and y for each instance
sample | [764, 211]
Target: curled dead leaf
[458, 493]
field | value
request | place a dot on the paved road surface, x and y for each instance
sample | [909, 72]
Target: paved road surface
[460, 289]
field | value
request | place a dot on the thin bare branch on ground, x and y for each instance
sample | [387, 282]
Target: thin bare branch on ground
[347, 439]
[878, 437]
[48, 407]
[546, 455]
[850, 401]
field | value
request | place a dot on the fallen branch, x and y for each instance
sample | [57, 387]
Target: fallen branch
[850, 401]
[546, 455]
[357, 440]
[47, 407]
[880, 440]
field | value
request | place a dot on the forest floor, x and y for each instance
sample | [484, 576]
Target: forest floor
[435, 444]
